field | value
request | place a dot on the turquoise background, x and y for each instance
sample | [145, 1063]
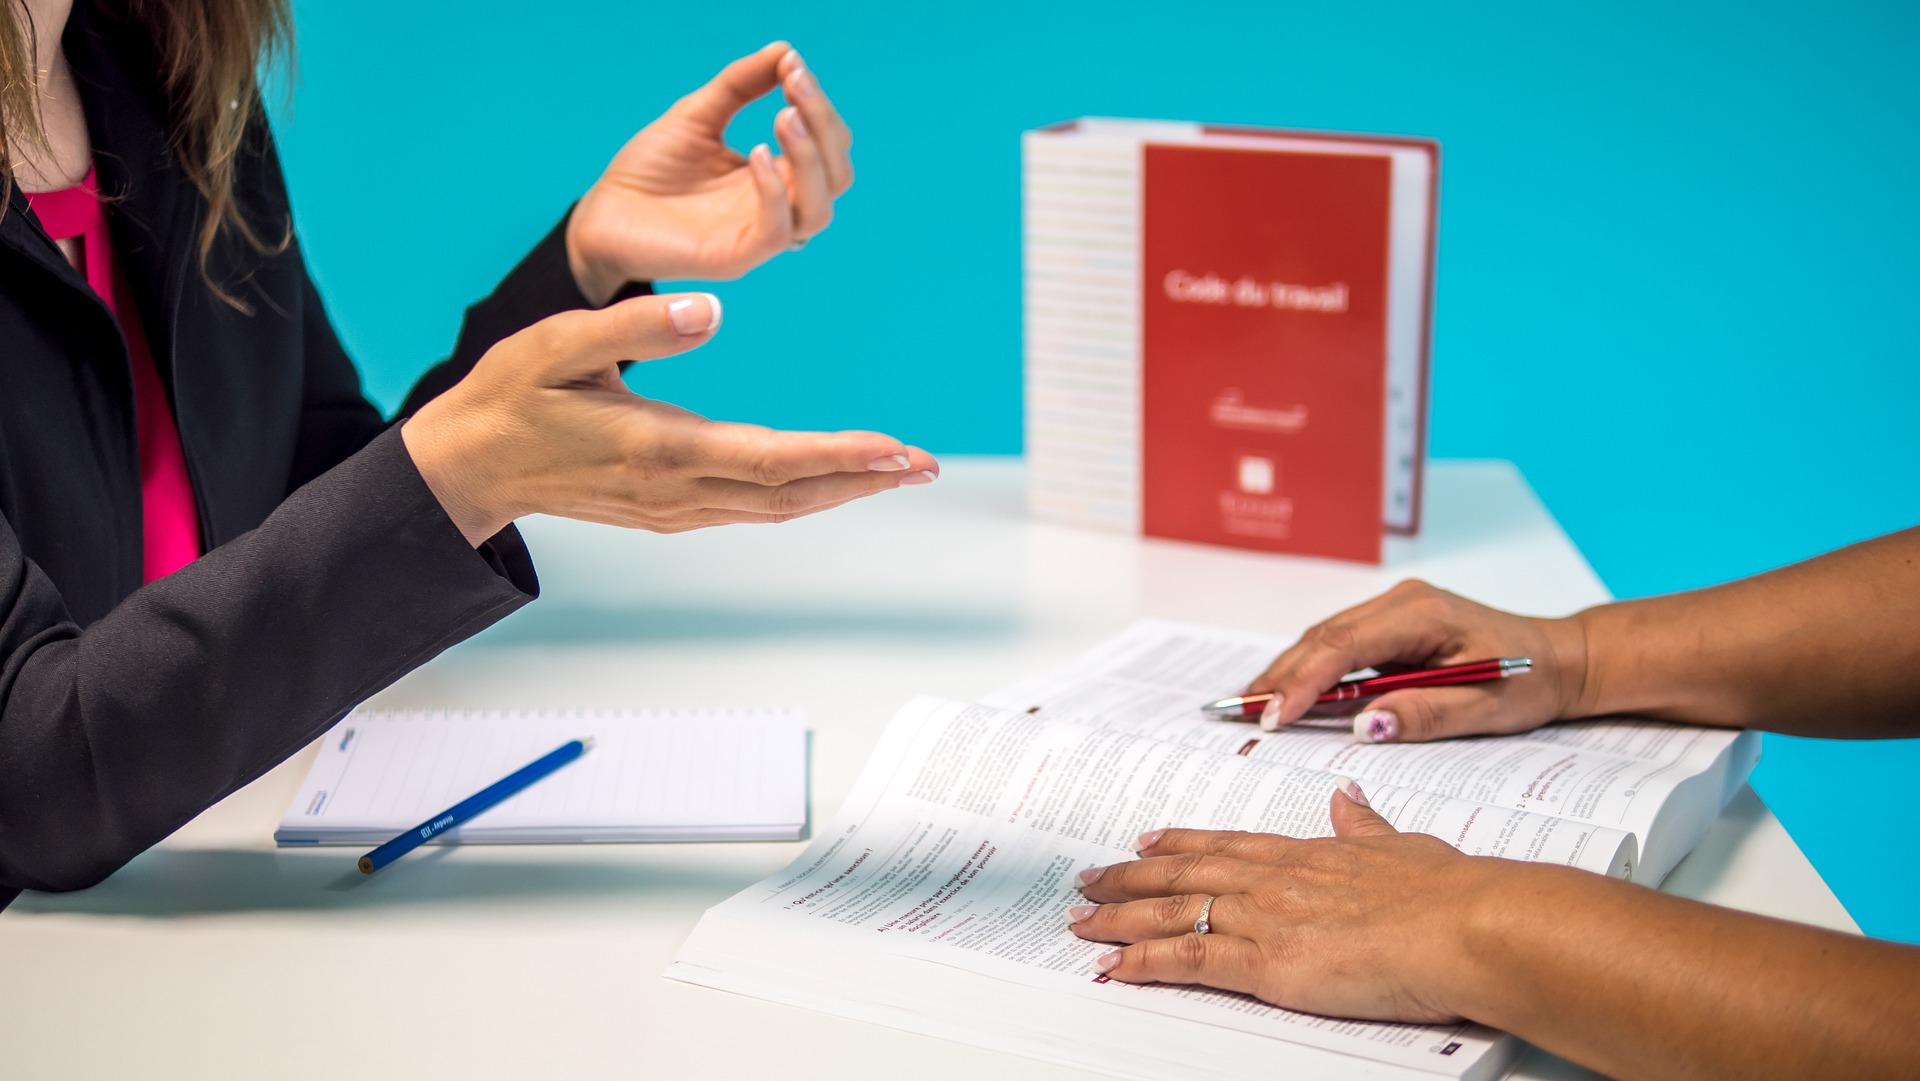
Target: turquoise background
[1677, 279]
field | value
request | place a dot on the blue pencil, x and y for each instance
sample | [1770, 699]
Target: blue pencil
[475, 804]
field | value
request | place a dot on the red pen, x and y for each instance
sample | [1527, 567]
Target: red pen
[1471, 672]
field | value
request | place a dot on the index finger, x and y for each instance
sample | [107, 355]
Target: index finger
[738, 85]
[1390, 628]
[748, 452]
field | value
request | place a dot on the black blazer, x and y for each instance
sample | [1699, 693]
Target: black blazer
[330, 570]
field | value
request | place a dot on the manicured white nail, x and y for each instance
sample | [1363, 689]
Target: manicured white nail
[799, 125]
[761, 156]
[1089, 876]
[696, 314]
[1107, 962]
[1376, 726]
[1352, 789]
[801, 84]
[1148, 840]
[892, 463]
[1081, 912]
[924, 476]
[1270, 716]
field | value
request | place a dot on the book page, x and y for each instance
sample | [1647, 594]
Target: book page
[961, 840]
[1106, 787]
[1664, 783]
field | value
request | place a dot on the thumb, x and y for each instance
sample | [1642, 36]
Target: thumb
[579, 345]
[1352, 815]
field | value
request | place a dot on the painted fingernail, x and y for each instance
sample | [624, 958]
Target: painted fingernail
[799, 125]
[1270, 716]
[761, 156]
[696, 314]
[1352, 789]
[801, 84]
[922, 477]
[892, 463]
[1376, 726]
[1089, 876]
[1107, 961]
[1148, 840]
[1081, 912]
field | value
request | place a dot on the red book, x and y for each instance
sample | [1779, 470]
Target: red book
[1227, 331]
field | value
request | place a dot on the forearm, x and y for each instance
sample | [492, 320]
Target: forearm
[113, 736]
[1637, 984]
[1828, 647]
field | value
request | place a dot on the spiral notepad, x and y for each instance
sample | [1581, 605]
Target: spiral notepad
[653, 775]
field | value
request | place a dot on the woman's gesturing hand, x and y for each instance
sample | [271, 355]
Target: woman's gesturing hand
[543, 424]
[678, 202]
[1416, 624]
[1367, 923]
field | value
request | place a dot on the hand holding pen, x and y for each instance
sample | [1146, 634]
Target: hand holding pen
[1415, 624]
[1355, 688]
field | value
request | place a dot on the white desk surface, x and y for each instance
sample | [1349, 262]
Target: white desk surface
[217, 956]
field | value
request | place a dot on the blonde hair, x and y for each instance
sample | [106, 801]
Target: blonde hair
[210, 56]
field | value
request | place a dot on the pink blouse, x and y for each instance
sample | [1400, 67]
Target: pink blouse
[171, 520]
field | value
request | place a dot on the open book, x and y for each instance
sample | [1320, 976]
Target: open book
[936, 900]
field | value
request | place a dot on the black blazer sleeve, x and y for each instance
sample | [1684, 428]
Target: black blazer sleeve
[113, 737]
